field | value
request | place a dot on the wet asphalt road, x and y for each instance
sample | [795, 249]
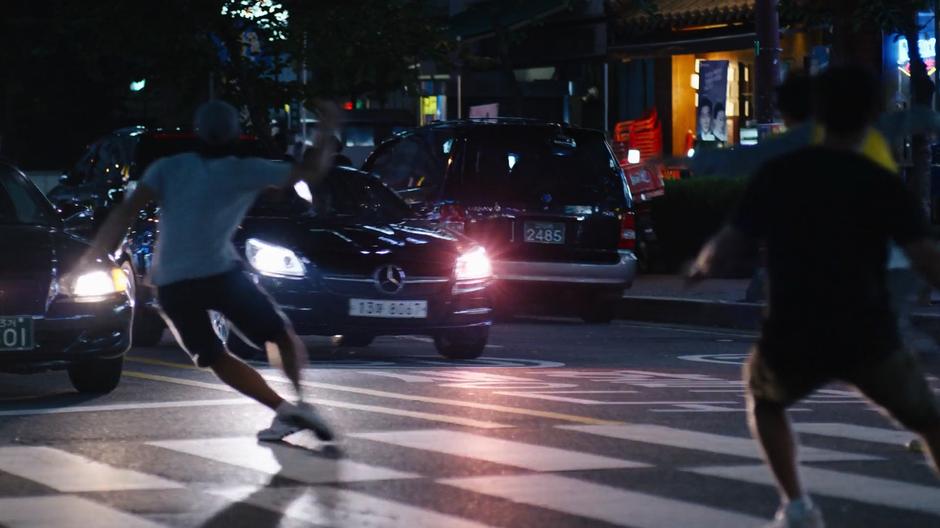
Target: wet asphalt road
[560, 424]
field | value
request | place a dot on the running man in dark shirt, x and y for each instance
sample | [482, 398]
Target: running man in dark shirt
[826, 215]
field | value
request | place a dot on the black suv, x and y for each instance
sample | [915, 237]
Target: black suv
[548, 201]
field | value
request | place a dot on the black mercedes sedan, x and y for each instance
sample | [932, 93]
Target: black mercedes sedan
[52, 315]
[350, 261]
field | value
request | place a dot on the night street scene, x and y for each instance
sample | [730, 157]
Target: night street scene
[469, 264]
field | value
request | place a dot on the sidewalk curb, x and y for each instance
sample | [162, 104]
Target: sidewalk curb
[722, 314]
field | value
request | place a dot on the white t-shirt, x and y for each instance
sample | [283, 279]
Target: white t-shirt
[202, 201]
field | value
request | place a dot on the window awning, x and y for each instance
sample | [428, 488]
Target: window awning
[481, 19]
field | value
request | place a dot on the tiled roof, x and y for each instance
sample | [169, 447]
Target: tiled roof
[680, 13]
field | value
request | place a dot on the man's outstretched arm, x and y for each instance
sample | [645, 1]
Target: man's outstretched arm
[318, 160]
[114, 229]
[719, 254]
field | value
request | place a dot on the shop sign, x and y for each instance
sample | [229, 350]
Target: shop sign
[484, 111]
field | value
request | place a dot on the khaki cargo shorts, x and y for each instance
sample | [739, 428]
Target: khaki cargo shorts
[895, 383]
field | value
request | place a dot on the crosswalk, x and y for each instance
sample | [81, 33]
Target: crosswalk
[558, 474]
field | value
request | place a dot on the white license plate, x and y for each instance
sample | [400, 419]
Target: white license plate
[16, 333]
[388, 309]
[544, 232]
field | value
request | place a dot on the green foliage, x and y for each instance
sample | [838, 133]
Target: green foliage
[71, 62]
[367, 47]
[689, 213]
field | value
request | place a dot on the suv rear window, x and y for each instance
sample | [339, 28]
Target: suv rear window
[522, 166]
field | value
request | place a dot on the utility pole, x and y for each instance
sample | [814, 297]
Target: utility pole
[767, 49]
[459, 64]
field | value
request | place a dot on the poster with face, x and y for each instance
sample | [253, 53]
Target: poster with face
[711, 123]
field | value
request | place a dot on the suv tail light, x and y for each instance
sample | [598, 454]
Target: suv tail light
[627, 231]
[453, 217]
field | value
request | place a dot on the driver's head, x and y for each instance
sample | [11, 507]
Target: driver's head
[216, 123]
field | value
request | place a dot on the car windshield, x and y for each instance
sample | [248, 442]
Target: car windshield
[159, 146]
[345, 195]
[418, 161]
[21, 202]
[544, 166]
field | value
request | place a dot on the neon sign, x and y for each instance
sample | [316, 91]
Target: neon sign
[928, 52]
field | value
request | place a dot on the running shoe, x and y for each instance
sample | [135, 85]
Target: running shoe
[291, 418]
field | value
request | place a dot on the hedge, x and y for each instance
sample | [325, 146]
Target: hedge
[690, 212]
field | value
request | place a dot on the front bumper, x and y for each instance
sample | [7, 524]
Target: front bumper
[321, 309]
[613, 276]
[73, 332]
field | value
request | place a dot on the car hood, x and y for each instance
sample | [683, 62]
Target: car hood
[346, 248]
[31, 257]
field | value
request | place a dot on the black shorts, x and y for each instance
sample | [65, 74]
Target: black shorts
[894, 382]
[185, 306]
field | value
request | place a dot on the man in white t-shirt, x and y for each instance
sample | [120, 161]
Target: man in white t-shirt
[203, 197]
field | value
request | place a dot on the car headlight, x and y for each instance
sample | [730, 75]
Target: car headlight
[97, 285]
[270, 259]
[473, 265]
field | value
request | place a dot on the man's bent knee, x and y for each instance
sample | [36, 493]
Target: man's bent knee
[765, 406]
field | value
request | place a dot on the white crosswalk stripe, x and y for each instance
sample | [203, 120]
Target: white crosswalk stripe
[328, 506]
[518, 454]
[278, 459]
[65, 510]
[872, 490]
[856, 432]
[709, 442]
[68, 472]
[319, 502]
[603, 503]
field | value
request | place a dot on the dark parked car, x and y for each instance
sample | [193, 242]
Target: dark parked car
[549, 202]
[110, 168]
[52, 315]
[356, 264]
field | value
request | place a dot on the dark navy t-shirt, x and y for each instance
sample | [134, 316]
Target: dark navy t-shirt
[827, 216]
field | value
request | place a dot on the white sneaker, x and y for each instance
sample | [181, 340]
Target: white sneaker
[800, 513]
[291, 418]
[278, 430]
